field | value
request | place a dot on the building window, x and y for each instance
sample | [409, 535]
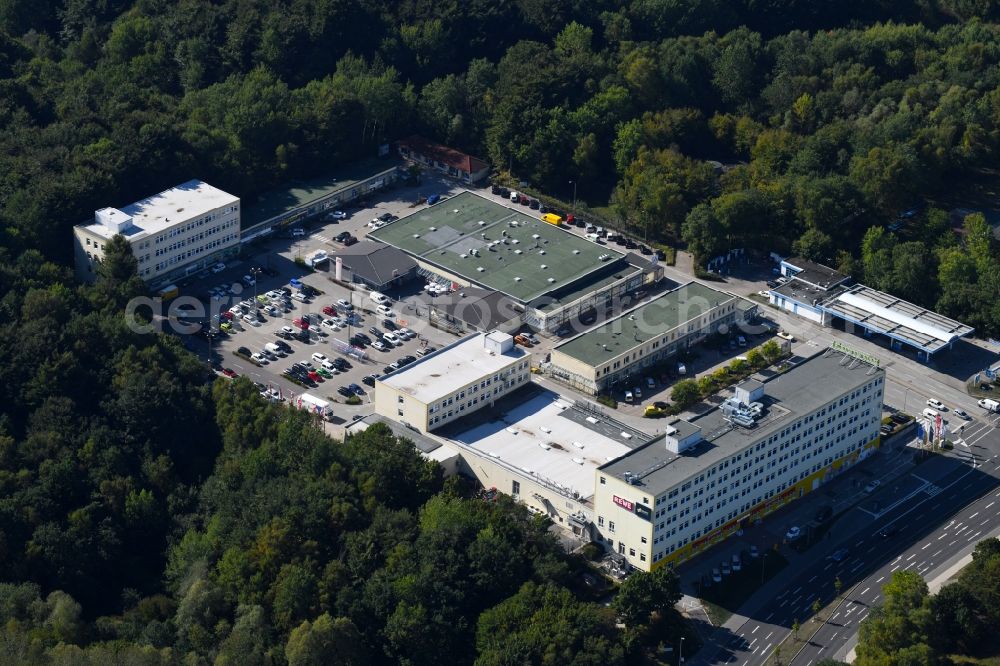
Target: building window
[399, 399]
[644, 539]
[631, 552]
[642, 556]
[603, 480]
[611, 526]
[399, 412]
[515, 488]
[600, 521]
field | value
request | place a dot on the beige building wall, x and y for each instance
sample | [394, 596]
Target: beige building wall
[624, 517]
[398, 406]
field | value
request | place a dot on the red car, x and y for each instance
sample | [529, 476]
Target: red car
[229, 372]
[328, 310]
[315, 376]
[227, 315]
[301, 323]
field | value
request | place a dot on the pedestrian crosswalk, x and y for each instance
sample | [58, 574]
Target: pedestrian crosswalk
[320, 238]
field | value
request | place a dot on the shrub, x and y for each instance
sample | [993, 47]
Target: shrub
[353, 400]
[607, 401]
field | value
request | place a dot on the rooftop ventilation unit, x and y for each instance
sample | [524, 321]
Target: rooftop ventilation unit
[432, 228]
[535, 236]
[576, 252]
[551, 280]
[480, 269]
[481, 223]
[544, 266]
[517, 279]
[541, 252]
[416, 235]
[463, 256]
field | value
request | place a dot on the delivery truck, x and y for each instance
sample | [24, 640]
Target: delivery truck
[314, 404]
[552, 219]
[990, 405]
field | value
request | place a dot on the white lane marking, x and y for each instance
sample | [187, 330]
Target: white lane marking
[768, 636]
[763, 653]
[850, 610]
[861, 618]
[880, 579]
[942, 536]
[864, 591]
[755, 629]
[990, 504]
[834, 635]
[768, 617]
[813, 578]
[754, 641]
[835, 616]
[908, 566]
[926, 545]
[783, 603]
[828, 565]
[984, 522]
[974, 535]
[894, 568]
[859, 565]
[746, 662]
[912, 555]
[797, 590]
[859, 544]
[937, 553]
[973, 515]
[952, 543]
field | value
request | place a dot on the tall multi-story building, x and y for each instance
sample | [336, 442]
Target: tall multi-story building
[766, 446]
[174, 233]
[452, 382]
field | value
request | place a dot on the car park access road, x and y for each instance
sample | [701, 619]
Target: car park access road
[936, 514]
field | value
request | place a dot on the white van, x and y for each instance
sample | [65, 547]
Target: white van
[379, 297]
[515, 197]
[930, 413]
[274, 349]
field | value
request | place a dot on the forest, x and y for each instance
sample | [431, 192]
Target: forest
[796, 126]
[150, 514]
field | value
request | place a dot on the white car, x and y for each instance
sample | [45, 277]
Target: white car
[251, 319]
[793, 533]
[960, 413]
[344, 304]
[392, 339]
[765, 294]
[328, 364]
[385, 311]
[249, 281]
[330, 324]
[298, 233]
[871, 487]
[307, 364]
[287, 330]
[405, 333]
[274, 293]
[299, 296]
[786, 336]
[936, 404]
[336, 215]
[319, 358]
[219, 267]
[379, 345]
[258, 358]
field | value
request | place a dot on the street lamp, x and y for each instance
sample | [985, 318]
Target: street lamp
[255, 274]
[573, 183]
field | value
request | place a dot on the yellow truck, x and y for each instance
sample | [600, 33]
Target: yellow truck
[552, 218]
[169, 292]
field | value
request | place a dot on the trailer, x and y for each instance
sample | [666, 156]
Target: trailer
[314, 404]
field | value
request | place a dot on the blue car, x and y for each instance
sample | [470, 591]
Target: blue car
[357, 389]
[433, 199]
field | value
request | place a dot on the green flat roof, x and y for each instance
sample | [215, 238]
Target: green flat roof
[639, 325]
[524, 261]
[302, 193]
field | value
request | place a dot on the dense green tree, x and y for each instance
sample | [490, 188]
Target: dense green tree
[643, 594]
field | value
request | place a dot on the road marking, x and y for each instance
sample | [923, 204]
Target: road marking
[953, 542]
[984, 522]
[835, 616]
[769, 636]
[974, 536]
[894, 568]
[864, 591]
[751, 644]
[861, 618]
[859, 565]
[828, 565]
[764, 652]
[834, 635]
[797, 590]
[880, 579]
[926, 545]
[755, 629]
[850, 610]
[990, 504]
[942, 536]
[912, 555]
[746, 662]
[859, 544]
[782, 604]
[768, 617]
[908, 566]
[936, 554]
[813, 578]
[973, 515]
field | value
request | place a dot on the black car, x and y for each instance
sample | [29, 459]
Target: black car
[369, 380]
[630, 244]
[408, 358]
[495, 189]
[661, 255]
[389, 325]
[243, 350]
[644, 249]
[344, 391]
[282, 345]
[772, 284]
[350, 240]
[505, 192]
[534, 204]
[364, 338]
[341, 236]
[387, 369]
[341, 364]
[285, 290]
[888, 531]
[544, 209]
[404, 361]
[579, 222]
[308, 291]
[357, 342]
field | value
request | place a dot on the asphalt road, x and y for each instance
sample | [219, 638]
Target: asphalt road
[946, 508]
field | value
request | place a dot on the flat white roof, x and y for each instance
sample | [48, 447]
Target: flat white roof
[449, 369]
[168, 208]
[540, 439]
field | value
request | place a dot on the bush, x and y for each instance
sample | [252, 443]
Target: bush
[592, 552]
[685, 393]
[353, 400]
[607, 401]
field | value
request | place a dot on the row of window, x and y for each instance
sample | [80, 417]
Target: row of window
[194, 224]
[184, 256]
[195, 238]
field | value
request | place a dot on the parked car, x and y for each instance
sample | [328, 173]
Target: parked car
[873, 486]
[385, 311]
[344, 391]
[336, 215]
[433, 199]
[245, 351]
[229, 372]
[389, 325]
[522, 340]
[319, 358]
[298, 232]
[258, 358]
[838, 555]
[824, 514]
[300, 323]
[737, 562]
[218, 268]
[786, 336]
[794, 532]
[379, 345]
[369, 380]
[628, 396]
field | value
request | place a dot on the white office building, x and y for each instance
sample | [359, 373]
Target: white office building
[765, 446]
[452, 382]
[173, 234]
